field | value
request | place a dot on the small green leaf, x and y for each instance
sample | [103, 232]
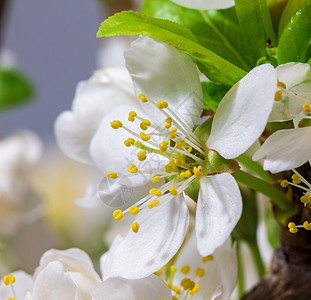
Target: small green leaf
[217, 30]
[134, 23]
[290, 9]
[272, 227]
[193, 190]
[305, 123]
[256, 25]
[214, 163]
[296, 37]
[203, 131]
[246, 229]
[15, 88]
[212, 94]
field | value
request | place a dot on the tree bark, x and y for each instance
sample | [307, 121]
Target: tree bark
[3, 6]
[290, 271]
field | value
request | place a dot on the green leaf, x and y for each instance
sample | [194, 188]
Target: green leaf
[290, 9]
[217, 30]
[203, 131]
[15, 88]
[134, 23]
[296, 37]
[256, 25]
[212, 94]
[246, 228]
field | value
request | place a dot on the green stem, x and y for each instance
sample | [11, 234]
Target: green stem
[261, 270]
[276, 195]
[255, 167]
[241, 278]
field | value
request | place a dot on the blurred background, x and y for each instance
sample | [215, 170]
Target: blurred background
[55, 43]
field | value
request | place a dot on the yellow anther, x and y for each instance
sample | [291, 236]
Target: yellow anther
[159, 272]
[185, 269]
[132, 115]
[180, 144]
[174, 298]
[143, 98]
[309, 196]
[176, 289]
[306, 225]
[296, 179]
[8, 279]
[306, 108]
[207, 258]
[304, 199]
[172, 133]
[284, 183]
[173, 191]
[163, 146]
[134, 210]
[292, 227]
[155, 179]
[167, 125]
[169, 167]
[129, 142]
[194, 290]
[135, 227]
[116, 124]
[168, 284]
[11, 298]
[162, 104]
[141, 155]
[197, 172]
[153, 204]
[155, 192]
[112, 175]
[185, 174]
[118, 214]
[278, 95]
[199, 272]
[281, 84]
[132, 169]
[189, 285]
[145, 137]
[184, 281]
[145, 124]
[189, 149]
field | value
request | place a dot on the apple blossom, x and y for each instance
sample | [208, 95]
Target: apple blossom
[169, 147]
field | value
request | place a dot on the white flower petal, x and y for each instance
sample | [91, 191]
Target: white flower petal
[161, 72]
[54, 282]
[293, 74]
[285, 149]
[94, 98]
[23, 284]
[117, 288]
[219, 208]
[205, 4]
[161, 233]
[243, 113]
[297, 78]
[74, 260]
[221, 274]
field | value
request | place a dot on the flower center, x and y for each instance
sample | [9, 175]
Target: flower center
[186, 155]
[186, 287]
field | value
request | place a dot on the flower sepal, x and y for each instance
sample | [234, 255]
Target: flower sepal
[193, 190]
[214, 163]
